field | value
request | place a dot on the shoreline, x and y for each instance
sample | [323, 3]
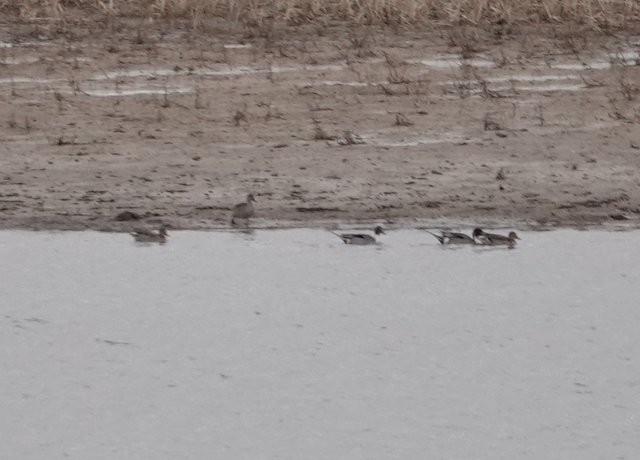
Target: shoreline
[333, 224]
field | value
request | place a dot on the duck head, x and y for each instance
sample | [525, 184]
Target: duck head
[477, 232]
[513, 236]
[379, 230]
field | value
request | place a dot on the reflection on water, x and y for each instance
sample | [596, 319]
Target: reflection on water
[290, 344]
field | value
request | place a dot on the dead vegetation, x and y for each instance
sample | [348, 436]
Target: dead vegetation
[628, 87]
[260, 14]
[319, 133]
[402, 120]
[489, 123]
[240, 116]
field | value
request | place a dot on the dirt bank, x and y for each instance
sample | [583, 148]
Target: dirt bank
[538, 127]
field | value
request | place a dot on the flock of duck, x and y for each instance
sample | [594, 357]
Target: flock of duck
[246, 210]
[479, 237]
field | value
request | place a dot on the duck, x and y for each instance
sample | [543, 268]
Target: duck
[360, 239]
[149, 236]
[447, 237]
[243, 210]
[493, 239]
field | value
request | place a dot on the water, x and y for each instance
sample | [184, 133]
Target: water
[291, 345]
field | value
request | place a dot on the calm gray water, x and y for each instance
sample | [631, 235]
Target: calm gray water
[290, 345]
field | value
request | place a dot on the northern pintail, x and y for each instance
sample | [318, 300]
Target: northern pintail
[149, 236]
[493, 239]
[447, 237]
[360, 239]
[243, 210]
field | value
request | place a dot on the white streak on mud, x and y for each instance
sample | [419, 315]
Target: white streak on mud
[448, 138]
[220, 72]
[235, 46]
[19, 60]
[624, 58]
[345, 83]
[23, 44]
[130, 91]
[453, 61]
[515, 78]
[4, 81]
[136, 92]
[475, 86]
[545, 88]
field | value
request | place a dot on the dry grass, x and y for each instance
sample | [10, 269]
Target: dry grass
[253, 13]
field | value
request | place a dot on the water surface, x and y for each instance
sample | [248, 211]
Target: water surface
[291, 345]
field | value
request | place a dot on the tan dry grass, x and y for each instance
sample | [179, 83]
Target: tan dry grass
[596, 13]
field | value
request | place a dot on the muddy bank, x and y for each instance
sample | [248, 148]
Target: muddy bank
[417, 129]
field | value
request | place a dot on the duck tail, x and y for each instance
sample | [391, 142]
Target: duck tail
[344, 240]
[437, 237]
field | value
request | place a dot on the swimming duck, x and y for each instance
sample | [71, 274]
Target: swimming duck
[360, 239]
[243, 210]
[447, 237]
[149, 236]
[493, 239]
